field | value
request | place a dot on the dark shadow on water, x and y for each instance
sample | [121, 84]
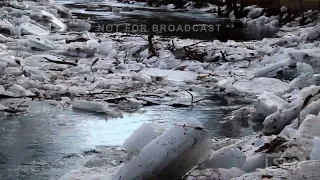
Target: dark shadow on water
[167, 23]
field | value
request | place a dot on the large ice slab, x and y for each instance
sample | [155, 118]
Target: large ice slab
[259, 85]
[141, 137]
[170, 155]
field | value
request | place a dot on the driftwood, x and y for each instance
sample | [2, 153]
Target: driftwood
[93, 63]
[61, 62]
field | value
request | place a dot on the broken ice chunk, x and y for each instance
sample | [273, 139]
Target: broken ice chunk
[220, 173]
[170, 74]
[89, 106]
[310, 126]
[55, 22]
[315, 153]
[169, 156]
[293, 171]
[141, 137]
[28, 28]
[40, 43]
[3, 65]
[226, 158]
[268, 103]
[259, 85]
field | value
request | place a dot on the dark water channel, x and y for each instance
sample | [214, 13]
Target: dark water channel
[111, 16]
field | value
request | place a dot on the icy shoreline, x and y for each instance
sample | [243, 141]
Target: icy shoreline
[41, 61]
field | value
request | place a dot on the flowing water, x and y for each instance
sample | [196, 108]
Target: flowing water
[49, 141]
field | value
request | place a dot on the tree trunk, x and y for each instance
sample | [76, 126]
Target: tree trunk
[235, 8]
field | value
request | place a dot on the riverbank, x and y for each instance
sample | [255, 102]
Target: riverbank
[114, 73]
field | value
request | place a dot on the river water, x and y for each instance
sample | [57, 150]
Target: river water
[48, 142]
[34, 146]
[111, 16]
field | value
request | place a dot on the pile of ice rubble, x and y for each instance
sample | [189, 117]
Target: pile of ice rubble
[41, 61]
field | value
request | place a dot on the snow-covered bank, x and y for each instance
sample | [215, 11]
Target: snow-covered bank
[41, 60]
